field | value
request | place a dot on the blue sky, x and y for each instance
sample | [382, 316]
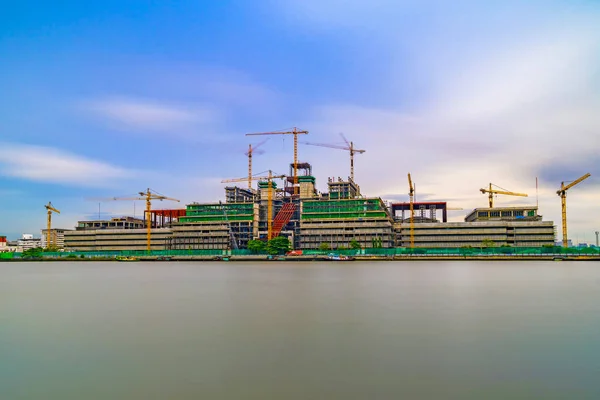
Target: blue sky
[103, 99]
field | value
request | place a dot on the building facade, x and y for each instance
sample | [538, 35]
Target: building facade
[505, 226]
[57, 237]
[338, 223]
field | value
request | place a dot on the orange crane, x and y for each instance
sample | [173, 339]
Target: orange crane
[148, 196]
[249, 153]
[269, 178]
[411, 194]
[295, 131]
[562, 192]
[349, 147]
[50, 209]
[492, 192]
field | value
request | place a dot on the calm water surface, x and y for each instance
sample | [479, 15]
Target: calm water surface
[443, 330]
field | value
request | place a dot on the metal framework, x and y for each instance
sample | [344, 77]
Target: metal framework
[562, 192]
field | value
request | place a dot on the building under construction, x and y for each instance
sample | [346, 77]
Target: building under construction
[502, 226]
[337, 218]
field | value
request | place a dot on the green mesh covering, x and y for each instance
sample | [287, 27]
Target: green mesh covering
[343, 209]
[219, 212]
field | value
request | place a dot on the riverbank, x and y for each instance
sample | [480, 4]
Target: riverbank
[318, 258]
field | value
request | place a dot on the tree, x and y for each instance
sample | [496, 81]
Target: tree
[279, 245]
[355, 245]
[376, 243]
[33, 253]
[51, 249]
[487, 243]
[324, 246]
[257, 246]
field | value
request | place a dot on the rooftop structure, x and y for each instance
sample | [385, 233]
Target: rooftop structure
[341, 189]
[425, 211]
[527, 213]
[113, 223]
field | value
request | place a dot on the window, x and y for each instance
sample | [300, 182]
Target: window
[518, 213]
[506, 213]
[482, 214]
[494, 213]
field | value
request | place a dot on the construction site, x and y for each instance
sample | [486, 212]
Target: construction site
[268, 205]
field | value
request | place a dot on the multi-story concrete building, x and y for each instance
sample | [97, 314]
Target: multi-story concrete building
[116, 239]
[57, 237]
[27, 242]
[338, 222]
[125, 233]
[507, 226]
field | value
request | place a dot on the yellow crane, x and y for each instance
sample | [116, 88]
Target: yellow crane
[562, 192]
[269, 178]
[491, 192]
[50, 210]
[148, 196]
[249, 153]
[349, 147]
[295, 131]
[411, 194]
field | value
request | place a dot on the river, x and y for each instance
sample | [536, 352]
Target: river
[284, 330]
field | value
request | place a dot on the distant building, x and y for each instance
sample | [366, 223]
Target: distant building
[27, 242]
[57, 237]
[3, 243]
[504, 226]
[560, 243]
[125, 233]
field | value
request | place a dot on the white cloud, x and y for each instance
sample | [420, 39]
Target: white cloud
[149, 116]
[50, 165]
[500, 115]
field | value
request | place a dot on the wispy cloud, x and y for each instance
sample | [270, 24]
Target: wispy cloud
[151, 116]
[51, 165]
[500, 114]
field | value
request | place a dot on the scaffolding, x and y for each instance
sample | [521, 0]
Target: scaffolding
[218, 212]
[344, 209]
[235, 194]
[341, 189]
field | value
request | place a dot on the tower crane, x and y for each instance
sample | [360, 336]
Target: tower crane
[295, 131]
[349, 147]
[269, 178]
[411, 194]
[562, 192]
[148, 196]
[50, 208]
[249, 153]
[492, 192]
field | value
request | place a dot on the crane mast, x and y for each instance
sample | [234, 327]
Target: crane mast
[295, 131]
[249, 153]
[269, 179]
[147, 196]
[562, 192]
[50, 210]
[411, 194]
